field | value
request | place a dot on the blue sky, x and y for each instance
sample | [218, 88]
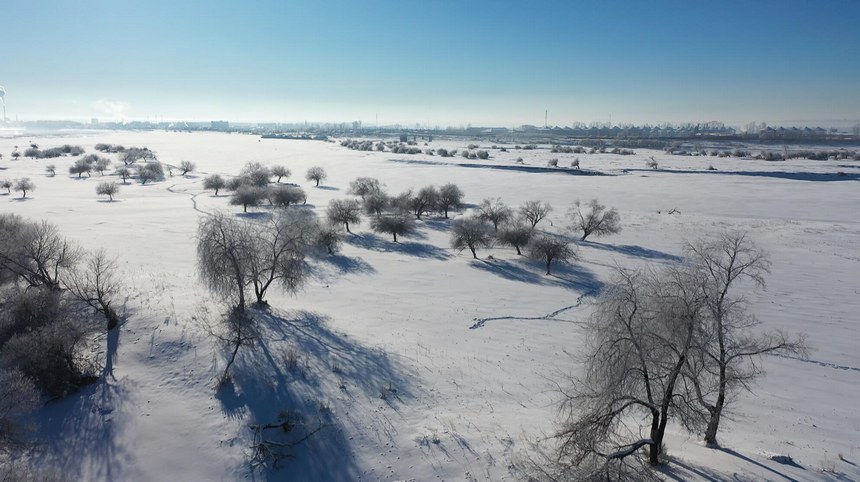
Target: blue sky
[433, 62]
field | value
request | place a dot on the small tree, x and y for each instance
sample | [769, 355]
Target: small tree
[124, 173]
[224, 247]
[316, 174]
[534, 212]
[426, 199]
[470, 233]
[397, 223]
[552, 163]
[96, 284]
[108, 189]
[550, 249]
[450, 198]
[594, 219]
[215, 182]
[365, 186]
[375, 203]
[575, 163]
[651, 163]
[248, 196]
[101, 164]
[329, 237]
[256, 173]
[495, 211]
[516, 235]
[344, 211]
[81, 166]
[7, 185]
[186, 167]
[283, 196]
[280, 172]
[151, 171]
[23, 185]
[51, 170]
[16, 155]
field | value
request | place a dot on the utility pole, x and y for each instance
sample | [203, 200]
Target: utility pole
[545, 116]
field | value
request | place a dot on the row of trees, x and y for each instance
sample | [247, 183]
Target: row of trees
[22, 185]
[675, 343]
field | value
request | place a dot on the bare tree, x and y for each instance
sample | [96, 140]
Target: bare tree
[516, 235]
[23, 185]
[256, 173]
[652, 163]
[224, 248]
[450, 198]
[248, 196]
[344, 211]
[495, 211]
[365, 186]
[470, 233]
[101, 164]
[280, 172]
[124, 173]
[186, 167]
[426, 199]
[316, 174]
[278, 251]
[81, 166]
[728, 349]
[215, 182]
[329, 237]
[535, 211]
[550, 248]
[95, 283]
[396, 223]
[51, 170]
[151, 171]
[376, 203]
[638, 340]
[19, 397]
[285, 195]
[594, 219]
[108, 189]
[34, 252]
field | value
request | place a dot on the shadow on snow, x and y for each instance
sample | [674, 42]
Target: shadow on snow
[570, 276]
[632, 250]
[377, 243]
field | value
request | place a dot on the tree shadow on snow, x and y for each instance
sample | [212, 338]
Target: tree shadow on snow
[327, 188]
[296, 367]
[345, 264]
[570, 276]
[681, 470]
[632, 250]
[79, 434]
[377, 243]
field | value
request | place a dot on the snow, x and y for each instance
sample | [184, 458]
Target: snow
[421, 362]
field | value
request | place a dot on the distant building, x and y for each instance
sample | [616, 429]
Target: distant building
[220, 125]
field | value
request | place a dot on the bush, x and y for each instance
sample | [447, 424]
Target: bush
[483, 154]
[552, 163]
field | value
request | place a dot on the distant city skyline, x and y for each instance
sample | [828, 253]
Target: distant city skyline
[446, 63]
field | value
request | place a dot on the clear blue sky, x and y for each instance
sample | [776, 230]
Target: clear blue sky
[445, 62]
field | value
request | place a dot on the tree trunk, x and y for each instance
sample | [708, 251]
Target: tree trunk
[347, 228]
[245, 208]
[518, 250]
[548, 263]
[717, 412]
[474, 255]
[395, 237]
[318, 183]
[657, 436]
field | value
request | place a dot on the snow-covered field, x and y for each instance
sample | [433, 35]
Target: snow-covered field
[428, 364]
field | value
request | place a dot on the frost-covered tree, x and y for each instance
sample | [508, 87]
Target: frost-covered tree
[375, 203]
[594, 218]
[51, 170]
[729, 345]
[214, 182]
[256, 173]
[284, 195]
[24, 185]
[280, 172]
[7, 185]
[108, 189]
[101, 164]
[550, 249]
[344, 211]
[652, 163]
[516, 235]
[124, 173]
[96, 284]
[247, 195]
[450, 198]
[470, 233]
[495, 211]
[19, 397]
[224, 248]
[575, 163]
[534, 212]
[81, 166]
[151, 171]
[316, 174]
[329, 237]
[424, 201]
[396, 223]
[186, 167]
[365, 186]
